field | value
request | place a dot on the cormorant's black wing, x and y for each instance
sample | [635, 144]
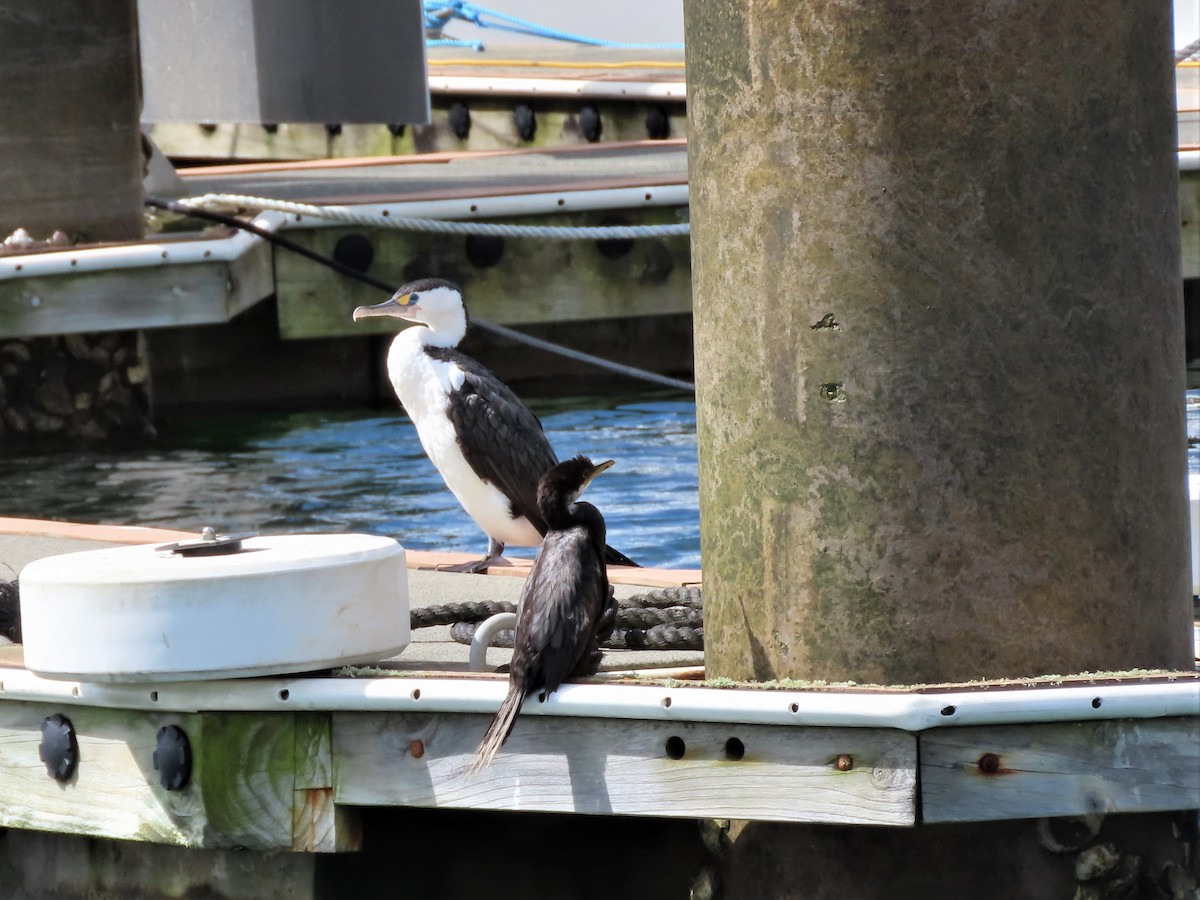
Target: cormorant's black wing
[501, 439]
[564, 596]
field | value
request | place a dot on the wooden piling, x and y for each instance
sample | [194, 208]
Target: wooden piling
[69, 111]
[939, 360]
[939, 340]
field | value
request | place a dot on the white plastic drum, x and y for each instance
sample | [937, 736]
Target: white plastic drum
[289, 603]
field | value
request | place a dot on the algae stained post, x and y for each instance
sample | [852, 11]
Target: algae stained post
[940, 373]
[938, 339]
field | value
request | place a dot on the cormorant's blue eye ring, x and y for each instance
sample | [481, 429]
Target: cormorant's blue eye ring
[412, 298]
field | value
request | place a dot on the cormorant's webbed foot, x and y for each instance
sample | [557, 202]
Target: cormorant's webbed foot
[495, 553]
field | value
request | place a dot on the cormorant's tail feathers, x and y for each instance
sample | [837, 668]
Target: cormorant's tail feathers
[617, 558]
[498, 731]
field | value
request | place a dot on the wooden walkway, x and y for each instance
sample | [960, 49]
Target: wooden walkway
[571, 94]
[282, 763]
[287, 762]
[192, 278]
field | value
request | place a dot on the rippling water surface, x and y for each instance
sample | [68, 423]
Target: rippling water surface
[365, 471]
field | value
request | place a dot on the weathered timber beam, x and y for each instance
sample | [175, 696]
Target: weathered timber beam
[317, 824]
[260, 782]
[529, 281]
[637, 768]
[136, 298]
[492, 126]
[1189, 223]
[1060, 769]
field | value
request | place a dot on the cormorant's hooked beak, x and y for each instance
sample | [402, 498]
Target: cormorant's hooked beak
[600, 467]
[403, 306]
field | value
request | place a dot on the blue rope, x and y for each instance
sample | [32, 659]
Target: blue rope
[451, 42]
[439, 12]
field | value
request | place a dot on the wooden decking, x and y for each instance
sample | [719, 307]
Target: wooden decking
[184, 279]
[283, 763]
[628, 93]
[287, 762]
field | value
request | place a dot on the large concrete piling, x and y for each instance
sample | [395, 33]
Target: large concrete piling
[939, 338]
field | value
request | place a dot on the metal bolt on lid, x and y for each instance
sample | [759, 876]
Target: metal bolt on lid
[208, 544]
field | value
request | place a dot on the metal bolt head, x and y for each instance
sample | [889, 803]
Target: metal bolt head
[845, 762]
[658, 124]
[459, 117]
[173, 758]
[59, 749]
[590, 124]
[525, 121]
[989, 764]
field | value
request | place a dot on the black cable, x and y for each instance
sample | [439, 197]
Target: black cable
[280, 241]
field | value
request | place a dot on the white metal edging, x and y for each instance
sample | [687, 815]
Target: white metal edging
[135, 255]
[557, 87]
[861, 709]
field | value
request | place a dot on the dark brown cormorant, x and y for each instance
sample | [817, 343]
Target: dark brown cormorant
[10, 612]
[566, 607]
[487, 445]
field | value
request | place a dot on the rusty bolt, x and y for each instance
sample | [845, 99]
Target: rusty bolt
[416, 748]
[989, 764]
[845, 762]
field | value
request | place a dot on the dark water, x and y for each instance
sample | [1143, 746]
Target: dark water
[365, 471]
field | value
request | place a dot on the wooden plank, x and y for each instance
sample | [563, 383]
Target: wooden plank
[70, 141]
[251, 279]
[1059, 769]
[534, 281]
[246, 768]
[625, 767]
[204, 175]
[259, 781]
[492, 128]
[158, 297]
[1189, 218]
[518, 567]
[318, 825]
[115, 791]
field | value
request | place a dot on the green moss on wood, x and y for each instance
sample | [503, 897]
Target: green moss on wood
[535, 280]
[246, 770]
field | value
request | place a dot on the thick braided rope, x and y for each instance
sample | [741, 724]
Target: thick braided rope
[660, 637]
[449, 613]
[648, 617]
[664, 597]
[350, 216]
[680, 603]
[661, 619]
[1183, 54]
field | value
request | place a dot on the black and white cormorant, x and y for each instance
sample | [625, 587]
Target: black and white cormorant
[485, 442]
[566, 607]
